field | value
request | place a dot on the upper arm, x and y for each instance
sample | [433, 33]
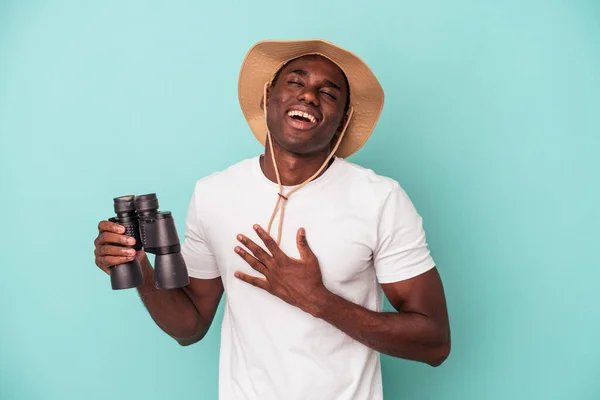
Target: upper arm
[199, 258]
[422, 294]
[403, 263]
[401, 250]
[206, 295]
[206, 286]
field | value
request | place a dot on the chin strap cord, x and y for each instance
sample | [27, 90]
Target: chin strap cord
[281, 197]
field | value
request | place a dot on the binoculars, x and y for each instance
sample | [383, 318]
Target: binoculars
[154, 231]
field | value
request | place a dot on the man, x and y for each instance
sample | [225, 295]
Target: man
[304, 243]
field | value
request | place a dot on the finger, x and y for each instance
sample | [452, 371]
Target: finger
[103, 267]
[108, 250]
[107, 226]
[303, 247]
[105, 263]
[253, 262]
[268, 241]
[258, 251]
[254, 281]
[109, 237]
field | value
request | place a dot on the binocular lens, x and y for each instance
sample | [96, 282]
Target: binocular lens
[124, 204]
[146, 203]
[170, 271]
[126, 276]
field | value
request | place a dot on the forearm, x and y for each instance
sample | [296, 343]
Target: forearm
[406, 334]
[172, 310]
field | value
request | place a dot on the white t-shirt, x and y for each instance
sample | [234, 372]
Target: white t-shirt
[363, 229]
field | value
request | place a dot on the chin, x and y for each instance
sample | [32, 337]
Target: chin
[292, 142]
[305, 151]
[298, 141]
[296, 148]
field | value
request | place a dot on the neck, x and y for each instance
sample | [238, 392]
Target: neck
[293, 169]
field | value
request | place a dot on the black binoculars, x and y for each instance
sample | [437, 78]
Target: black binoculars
[154, 231]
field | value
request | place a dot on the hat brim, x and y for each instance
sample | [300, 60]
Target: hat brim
[265, 58]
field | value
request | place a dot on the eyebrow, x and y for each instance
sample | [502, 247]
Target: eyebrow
[326, 82]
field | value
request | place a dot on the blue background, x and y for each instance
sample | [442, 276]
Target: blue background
[491, 124]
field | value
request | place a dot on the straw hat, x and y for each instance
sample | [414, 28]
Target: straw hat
[266, 57]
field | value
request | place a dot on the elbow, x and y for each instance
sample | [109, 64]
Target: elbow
[193, 333]
[185, 342]
[188, 341]
[190, 336]
[440, 354]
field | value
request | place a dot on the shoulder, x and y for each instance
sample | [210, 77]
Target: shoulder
[225, 178]
[212, 190]
[375, 194]
[362, 180]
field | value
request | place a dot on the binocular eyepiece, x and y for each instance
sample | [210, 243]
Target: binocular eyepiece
[155, 232]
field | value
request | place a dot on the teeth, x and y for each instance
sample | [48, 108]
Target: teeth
[309, 117]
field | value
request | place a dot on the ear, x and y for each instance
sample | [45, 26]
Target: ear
[262, 99]
[338, 132]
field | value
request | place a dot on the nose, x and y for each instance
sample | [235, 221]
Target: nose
[308, 95]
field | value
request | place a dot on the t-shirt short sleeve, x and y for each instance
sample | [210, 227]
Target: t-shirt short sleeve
[199, 259]
[401, 252]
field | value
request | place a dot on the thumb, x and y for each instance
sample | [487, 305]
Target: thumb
[303, 247]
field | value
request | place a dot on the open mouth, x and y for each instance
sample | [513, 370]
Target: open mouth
[301, 120]
[302, 116]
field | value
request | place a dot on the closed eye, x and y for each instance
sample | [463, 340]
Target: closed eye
[330, 95]
[295, 83]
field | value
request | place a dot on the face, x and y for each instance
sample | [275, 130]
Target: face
[305, 107]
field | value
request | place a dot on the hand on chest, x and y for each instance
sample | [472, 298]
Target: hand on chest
[342, 240]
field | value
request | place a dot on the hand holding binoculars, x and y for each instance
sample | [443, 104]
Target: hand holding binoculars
[155, 232]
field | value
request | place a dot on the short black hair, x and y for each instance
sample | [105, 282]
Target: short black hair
[276, 77]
